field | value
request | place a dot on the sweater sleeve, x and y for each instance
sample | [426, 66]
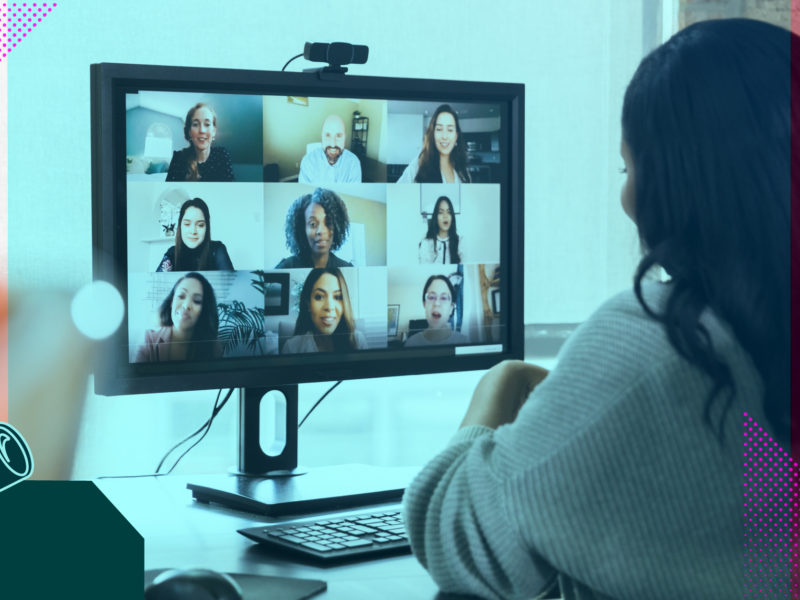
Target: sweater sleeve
[458, 524]
[605, 476]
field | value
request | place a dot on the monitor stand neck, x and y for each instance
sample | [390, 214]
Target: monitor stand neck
[266, 481]
[280, 457]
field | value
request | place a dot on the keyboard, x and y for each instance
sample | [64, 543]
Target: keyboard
[363, 535]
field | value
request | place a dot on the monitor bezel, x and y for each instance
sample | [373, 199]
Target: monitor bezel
[114, 375]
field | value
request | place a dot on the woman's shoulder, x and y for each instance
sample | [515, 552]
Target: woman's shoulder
[158, 336]
[621, 347]
[458, 338]
[360, 339]
[220, 152]
[299, 343]
[416, 340]
[335, 261]
[182, 154]
[291, 262]
[623, 317]
[167, 261]
[220, 259]
[410, 172]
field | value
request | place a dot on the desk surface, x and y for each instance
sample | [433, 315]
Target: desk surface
[180, 533]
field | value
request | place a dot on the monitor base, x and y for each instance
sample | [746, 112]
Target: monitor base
[321, 489]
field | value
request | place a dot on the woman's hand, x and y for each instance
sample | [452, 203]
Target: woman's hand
[501, 392]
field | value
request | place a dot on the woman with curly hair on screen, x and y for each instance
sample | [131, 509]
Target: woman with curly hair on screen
[316, 224]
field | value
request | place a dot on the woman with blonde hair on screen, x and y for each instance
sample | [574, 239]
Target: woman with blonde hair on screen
[201, 160]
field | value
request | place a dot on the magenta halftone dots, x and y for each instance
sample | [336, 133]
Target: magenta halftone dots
[17, 21]
[771, 487]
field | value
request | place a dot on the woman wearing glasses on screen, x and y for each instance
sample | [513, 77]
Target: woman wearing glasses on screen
[189, 324]
[444, 154]
[621, 475]
[441, 244]
[200, 161]
[193, 249]
[316, 225]
[325, 320]
[438, 298]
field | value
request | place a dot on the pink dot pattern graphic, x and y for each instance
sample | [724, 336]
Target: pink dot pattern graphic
[18, 20]
[771, 496]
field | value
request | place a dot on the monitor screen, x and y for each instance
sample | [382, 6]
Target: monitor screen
[271, 228]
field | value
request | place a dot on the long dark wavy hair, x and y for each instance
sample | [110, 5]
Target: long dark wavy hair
[187, 259]
[707, 120]
[204, 335]
[429, 171]
[343, 337]
[433, 228]
[336, 219]
[192, 173]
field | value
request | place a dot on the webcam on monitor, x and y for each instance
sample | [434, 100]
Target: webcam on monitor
[336, 54]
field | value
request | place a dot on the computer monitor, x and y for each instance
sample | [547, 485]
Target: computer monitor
[270, 228]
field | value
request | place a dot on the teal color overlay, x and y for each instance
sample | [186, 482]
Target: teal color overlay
[64, 539]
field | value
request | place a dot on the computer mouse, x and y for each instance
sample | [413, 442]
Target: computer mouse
[193, 584]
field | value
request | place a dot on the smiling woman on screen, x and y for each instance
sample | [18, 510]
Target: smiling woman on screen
[201, 160]
[189, 324]
[325, 320]
[316, 225]
[444, 153]
[193, 249]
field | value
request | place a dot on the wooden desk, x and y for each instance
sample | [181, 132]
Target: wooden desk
[179, 532]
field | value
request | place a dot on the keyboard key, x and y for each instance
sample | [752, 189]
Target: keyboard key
[316, 546]
[292, 539]
[357, 543]
[358, 530]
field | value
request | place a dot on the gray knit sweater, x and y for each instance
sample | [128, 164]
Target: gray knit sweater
[608, 479]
